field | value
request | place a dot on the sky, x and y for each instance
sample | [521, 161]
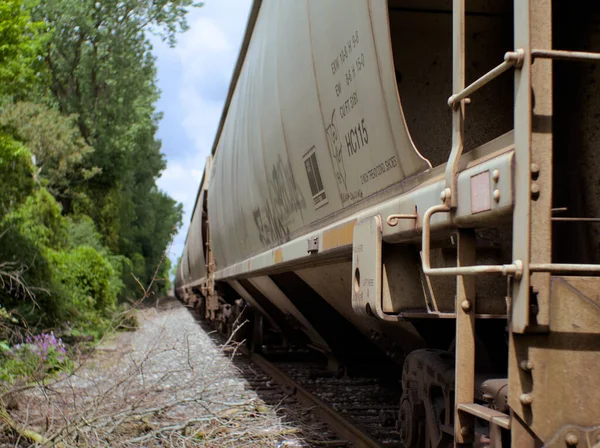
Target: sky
[194, 78]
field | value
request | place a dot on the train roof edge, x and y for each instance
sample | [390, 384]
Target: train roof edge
[252, 16]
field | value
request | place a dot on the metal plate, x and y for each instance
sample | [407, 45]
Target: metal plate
[481, 200]
[366, 266]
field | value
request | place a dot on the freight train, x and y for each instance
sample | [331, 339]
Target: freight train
[420, 179]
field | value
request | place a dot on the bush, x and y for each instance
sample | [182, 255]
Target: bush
[26, 235]
[62, 262]
[16, 174]
[40, 220]
[27, 284]
[123, 280]
[92, 285]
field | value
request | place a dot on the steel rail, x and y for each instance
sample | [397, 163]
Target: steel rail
[338, 423]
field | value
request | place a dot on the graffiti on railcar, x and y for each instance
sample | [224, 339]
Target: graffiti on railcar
[336, 148]
[285, 199]
[270, 226]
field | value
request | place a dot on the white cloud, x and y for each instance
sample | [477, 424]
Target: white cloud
[201, 119]
[204, 35]
[207, 54]
[201, 64]
[181, 181]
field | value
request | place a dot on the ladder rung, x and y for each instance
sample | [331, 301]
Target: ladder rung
[491, 415]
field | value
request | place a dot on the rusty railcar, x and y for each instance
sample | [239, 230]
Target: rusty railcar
[421, 177]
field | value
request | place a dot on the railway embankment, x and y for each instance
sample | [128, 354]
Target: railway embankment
[166, 384]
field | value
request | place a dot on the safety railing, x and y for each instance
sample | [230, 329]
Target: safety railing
[515, 269]
[565, 55]
[511, 59]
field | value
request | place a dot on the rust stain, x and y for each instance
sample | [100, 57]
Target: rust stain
[277, 256]
[338, 236]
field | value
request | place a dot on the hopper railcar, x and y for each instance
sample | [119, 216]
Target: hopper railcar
[418, 178]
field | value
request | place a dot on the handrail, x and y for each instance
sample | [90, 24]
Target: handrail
[565, 55]
[515, 269]
[565, 268]
[511, 59]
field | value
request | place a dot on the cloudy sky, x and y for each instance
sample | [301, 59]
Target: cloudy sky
[194, 78]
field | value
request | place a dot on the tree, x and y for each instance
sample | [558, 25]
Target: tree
[60, 151]
[79, 158]
[16, 174]
[101, 62]
[21, 42]
[102, 74]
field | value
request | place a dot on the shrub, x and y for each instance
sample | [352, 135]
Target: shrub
[40, 220]
[27, 285]
[26, 235]
[92, 285]
[63, 262]
[16, 173]
[123, 280]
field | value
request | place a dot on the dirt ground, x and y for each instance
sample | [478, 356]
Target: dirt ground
[166, 384]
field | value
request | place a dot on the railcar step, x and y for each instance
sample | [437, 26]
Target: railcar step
[491, 415]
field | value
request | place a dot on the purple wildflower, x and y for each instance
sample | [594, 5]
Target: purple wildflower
[44, 343]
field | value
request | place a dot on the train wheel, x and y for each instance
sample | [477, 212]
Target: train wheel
[425, 417]
[411, 423]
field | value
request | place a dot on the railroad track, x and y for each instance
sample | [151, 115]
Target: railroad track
[357, 410]
[352, 407]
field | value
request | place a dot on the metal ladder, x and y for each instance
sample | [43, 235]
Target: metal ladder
[520, 270]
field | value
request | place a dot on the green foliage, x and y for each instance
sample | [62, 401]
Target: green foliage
[72, 273]
[5, 316]
[55, 141]
[40, 220]
[103, 74]
[107, 217]
[36, 358]
[21, 43]
[92, 284]
[26, 280]
[84, 222]
[122, 281]
[164, 280]
[16, 173]
[26, 234]
[83, 232]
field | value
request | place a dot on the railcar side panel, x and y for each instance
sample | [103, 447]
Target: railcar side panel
[314, 125]
[185, 265]
[195, 244]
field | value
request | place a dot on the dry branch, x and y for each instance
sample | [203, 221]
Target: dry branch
[167, 388]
